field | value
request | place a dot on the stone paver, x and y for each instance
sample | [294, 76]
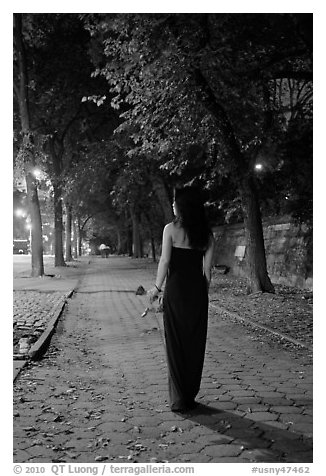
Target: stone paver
[101, 389]
[37, 302]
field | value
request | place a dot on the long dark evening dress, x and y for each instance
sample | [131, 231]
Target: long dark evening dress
[185, 325]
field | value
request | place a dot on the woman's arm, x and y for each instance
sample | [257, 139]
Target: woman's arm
[208, 260]
[164, 261]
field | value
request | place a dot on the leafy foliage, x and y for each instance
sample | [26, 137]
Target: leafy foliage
[166, 70]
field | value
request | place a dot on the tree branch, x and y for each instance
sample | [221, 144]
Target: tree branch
[16, 91]
[208, 97]
[68, 125]
[209, 100]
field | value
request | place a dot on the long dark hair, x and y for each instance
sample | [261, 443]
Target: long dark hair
[192, 216]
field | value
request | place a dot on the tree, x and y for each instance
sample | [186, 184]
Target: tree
[68, 233]
[207, 79]
[123, 186]
[61, 72]
[26, 152]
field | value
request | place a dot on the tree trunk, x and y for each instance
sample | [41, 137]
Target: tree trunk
[136, 242]
[129, 243]
[141, 246]
[118, 240]
[240, 171]
[58, 227]
[152, 236]
[36, 224]
[163, 197]
[56, 155]
[75, 240]
[79, 234]
[27, 148]
[258, 279]
[153, 247]
[128, 225]
[68, 233]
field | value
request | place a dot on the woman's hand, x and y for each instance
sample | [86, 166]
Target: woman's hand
[153, 294]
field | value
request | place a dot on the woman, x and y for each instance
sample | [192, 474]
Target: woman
[186, 260]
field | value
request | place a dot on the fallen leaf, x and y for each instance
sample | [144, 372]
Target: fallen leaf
[72, 455]
[58, 448]
[137, 429]
[37, 442]
[101, 458]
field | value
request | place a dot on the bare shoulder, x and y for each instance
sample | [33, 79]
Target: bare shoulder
[169, 228]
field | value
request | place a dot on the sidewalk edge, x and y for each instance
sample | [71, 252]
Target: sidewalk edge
[39, 348]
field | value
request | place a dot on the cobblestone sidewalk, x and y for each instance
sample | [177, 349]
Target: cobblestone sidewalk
[289, 311]
[32, 311]
[37, 303]
[100, 392]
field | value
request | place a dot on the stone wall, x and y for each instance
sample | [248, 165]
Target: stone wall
[288, 251]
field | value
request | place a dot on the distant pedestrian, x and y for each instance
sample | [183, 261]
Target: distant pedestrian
[186, 260]
[102, 249]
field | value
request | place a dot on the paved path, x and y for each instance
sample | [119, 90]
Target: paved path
[100, 393]
[37, 302]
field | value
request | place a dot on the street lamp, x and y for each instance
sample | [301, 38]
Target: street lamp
[259, 167]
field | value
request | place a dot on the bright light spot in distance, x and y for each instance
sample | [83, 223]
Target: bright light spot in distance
[37, 173]
[19, 212]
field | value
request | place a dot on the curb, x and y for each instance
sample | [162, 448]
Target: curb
[246, 320]
[40, 346]
[18, 366]
[38, 349]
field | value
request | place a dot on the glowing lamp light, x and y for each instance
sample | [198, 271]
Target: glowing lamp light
[37, 173]
[259, 167]
[19, 212]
